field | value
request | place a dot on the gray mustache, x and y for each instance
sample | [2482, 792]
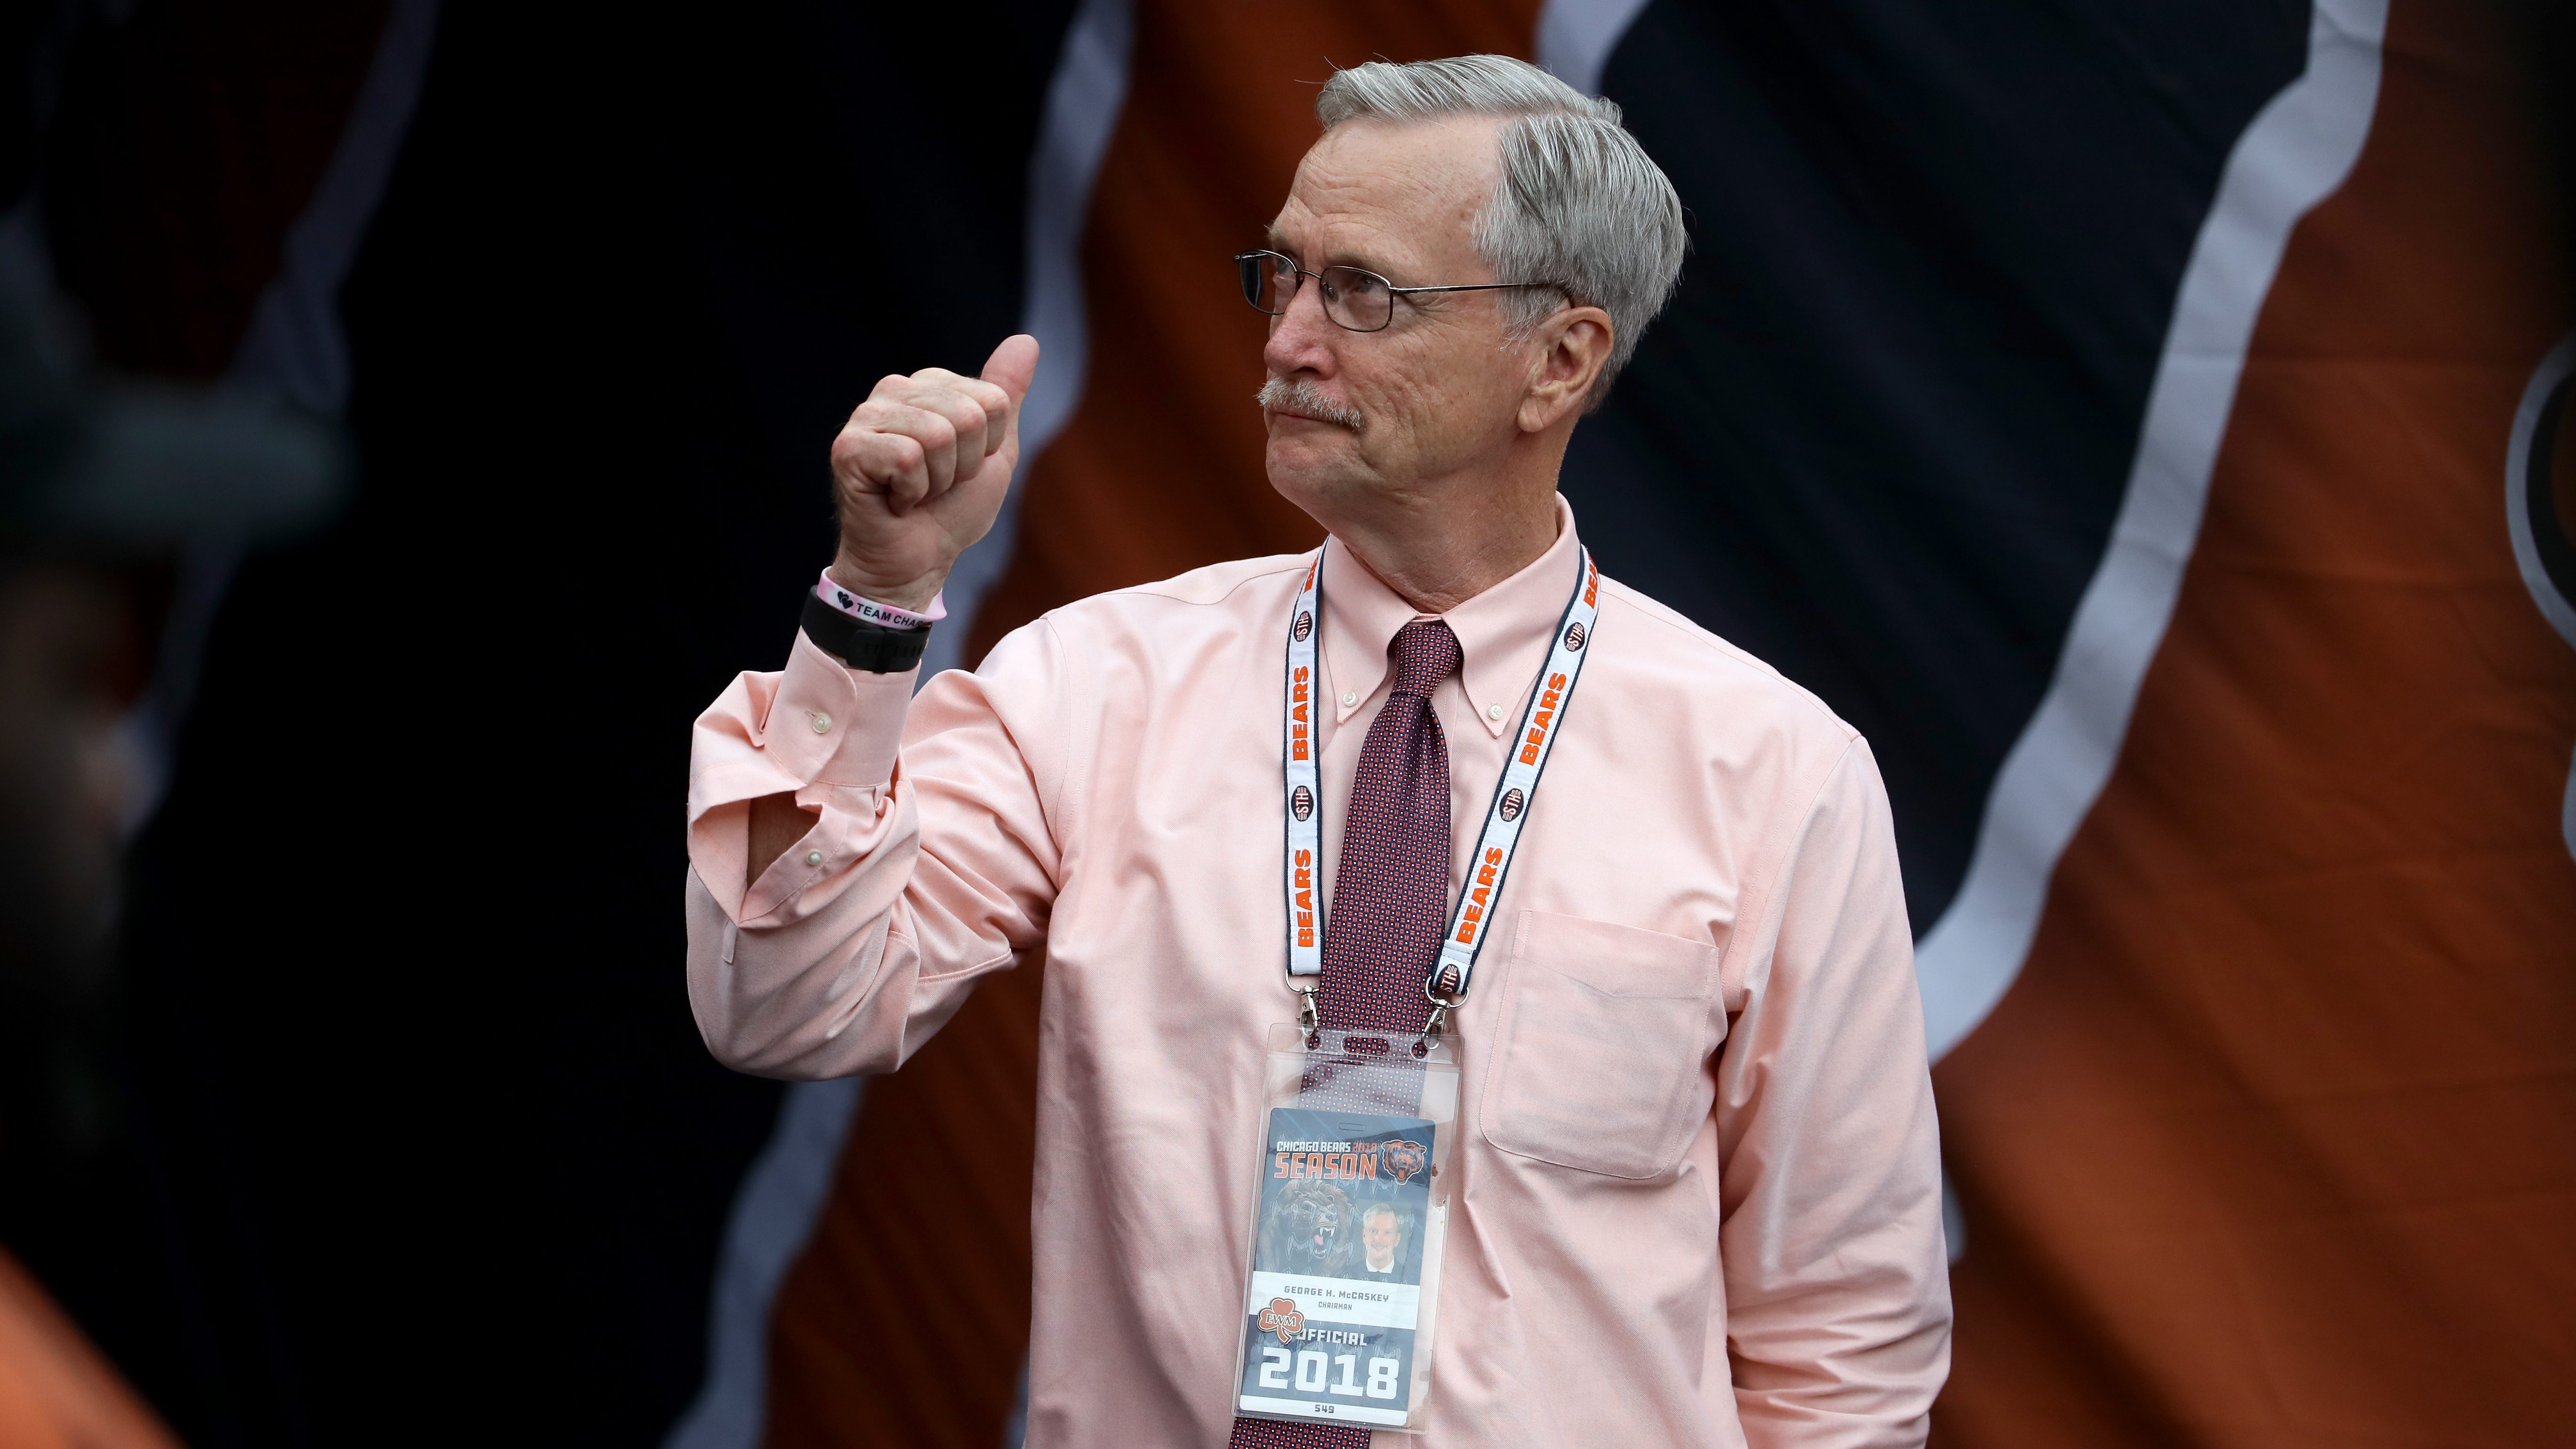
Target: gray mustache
[1279, 395]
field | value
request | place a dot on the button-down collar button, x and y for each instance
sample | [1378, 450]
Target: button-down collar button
[822, 723]
[1350, 698]
[1493, 711]
[813, 857]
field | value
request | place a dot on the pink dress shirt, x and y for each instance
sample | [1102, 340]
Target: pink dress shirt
[1698, 1199]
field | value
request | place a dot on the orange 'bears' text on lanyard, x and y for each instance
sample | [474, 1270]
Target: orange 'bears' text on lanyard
[1446, 985]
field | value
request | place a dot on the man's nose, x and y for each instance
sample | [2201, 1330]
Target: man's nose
[1302, 338]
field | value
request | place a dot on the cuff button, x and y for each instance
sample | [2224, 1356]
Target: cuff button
[822, 723]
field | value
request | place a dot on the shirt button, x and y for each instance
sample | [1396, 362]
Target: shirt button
[822, 723]
[1493, 711]
[813, 857]
[1352, 698]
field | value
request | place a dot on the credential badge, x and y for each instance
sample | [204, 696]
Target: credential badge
[1282, 1317]
[1304, 626]
[1510, 809]
[1302, 800]
[1574, 636]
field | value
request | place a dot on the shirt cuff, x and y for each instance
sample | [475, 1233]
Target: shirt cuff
[833, 725]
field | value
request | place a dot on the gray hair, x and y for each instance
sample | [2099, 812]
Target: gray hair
[1580, 204]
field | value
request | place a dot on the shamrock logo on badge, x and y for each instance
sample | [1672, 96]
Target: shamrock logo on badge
[1283, 1319]
[1404, 1159]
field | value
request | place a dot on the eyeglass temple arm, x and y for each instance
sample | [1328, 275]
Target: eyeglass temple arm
[1476, 287]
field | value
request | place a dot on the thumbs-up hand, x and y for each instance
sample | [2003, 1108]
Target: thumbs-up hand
[920, 469]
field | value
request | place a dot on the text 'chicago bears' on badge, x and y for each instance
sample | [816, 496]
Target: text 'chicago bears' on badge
[1510, 809]
[1304, 626]
[1283, 1319]
[1302, 800]
[1573, 636]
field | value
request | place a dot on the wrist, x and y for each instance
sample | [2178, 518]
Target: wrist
[913, 595]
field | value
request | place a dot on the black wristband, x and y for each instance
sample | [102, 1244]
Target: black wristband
[871, 647]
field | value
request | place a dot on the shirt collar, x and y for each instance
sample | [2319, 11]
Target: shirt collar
[1503, 633]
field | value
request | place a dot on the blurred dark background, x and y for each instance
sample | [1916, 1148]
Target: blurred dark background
[409, 1135]
[411, 1121]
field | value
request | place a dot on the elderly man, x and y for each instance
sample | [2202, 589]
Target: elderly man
[1691, 1192]
[1381, 1237]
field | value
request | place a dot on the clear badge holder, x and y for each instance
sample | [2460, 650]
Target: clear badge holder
[1350, 1220]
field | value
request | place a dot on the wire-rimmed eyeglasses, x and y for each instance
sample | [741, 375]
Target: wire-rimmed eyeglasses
[1354, 298]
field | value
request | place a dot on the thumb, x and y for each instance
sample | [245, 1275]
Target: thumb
[1012, 365]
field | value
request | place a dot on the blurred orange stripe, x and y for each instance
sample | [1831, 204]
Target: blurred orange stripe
[2274, 1141]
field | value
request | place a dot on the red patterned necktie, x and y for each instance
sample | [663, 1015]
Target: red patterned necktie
[1390, 901]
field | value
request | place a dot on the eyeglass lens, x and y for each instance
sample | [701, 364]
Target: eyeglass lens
[1353, 298]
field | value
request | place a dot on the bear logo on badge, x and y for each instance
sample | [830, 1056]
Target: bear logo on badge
[1404, 1159]
[1573, 636]
[1302, 800]
[1282, 1318]
[1510, 809]
[1304, 626]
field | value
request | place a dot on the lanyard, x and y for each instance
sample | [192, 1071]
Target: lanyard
[1447, 982]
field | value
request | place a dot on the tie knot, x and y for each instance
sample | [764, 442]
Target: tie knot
[1425, 653]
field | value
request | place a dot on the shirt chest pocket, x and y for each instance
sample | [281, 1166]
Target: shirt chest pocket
[1600, 1046]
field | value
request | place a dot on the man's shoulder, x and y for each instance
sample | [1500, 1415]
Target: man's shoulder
[1224, 583]
[1251, 587]
[1647, 632]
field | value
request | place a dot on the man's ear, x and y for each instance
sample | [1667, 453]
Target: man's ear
[1567, 353]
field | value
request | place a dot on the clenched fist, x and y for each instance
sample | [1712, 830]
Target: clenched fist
[920, 470]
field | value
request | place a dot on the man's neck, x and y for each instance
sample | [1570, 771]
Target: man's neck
[1436, 560]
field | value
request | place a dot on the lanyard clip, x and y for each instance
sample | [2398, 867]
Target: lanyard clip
[1307, 1017]
[1442, 1003]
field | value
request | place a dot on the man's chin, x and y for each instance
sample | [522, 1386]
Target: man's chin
[1313, 461]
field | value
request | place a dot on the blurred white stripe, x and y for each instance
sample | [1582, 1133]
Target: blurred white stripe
[1083, 102]
[2556, 607]
[295, 345]
[2296, 153]
[784, 1192]
[772, 1218]
[1575, 38]
[295, 349]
